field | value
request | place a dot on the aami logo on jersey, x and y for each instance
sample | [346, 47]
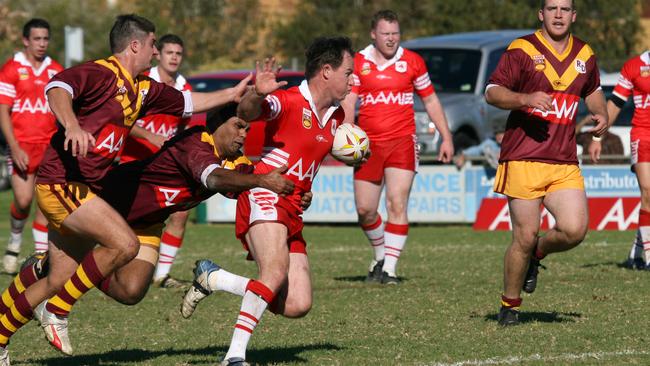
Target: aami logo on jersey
[110, 140]
[563, 109]
[390, 98]
[27, 106]
[302, 171]
[170, 196]
[157, 127]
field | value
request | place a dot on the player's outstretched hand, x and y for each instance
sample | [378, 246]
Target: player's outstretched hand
[276, 182]
[266, 77]
[305, 200]
[80, 141]
[539, 100]
[240, 89]
[446, 152]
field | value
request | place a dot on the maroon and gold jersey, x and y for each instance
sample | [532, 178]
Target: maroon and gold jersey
[107, 101]
[529, 65]
[174, 179]
[635, 80]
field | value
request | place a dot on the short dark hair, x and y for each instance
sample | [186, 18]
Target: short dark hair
[128, 27]
[543, 4]
[326, 51]
[387, 15]
[220, 115]
[169, 39]
[35, 23]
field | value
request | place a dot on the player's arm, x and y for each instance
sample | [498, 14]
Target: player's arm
[202, 102]
[437, 115]
[250, 107]
[224, 180]
[60, 102]
[349, 104]
[142, 133]
[18, 155]
[504, 98]
[600, 116]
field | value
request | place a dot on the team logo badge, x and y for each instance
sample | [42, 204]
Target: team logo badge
[645, 71]
[365, 69]
[23, 74]
[400, 66]
[540, 62]
[306, 118]
[321, 138]
[50, 73]
[580, 66]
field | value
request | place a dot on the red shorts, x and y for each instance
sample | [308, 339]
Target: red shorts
[35, 153]
[260, 205]
[401, 152]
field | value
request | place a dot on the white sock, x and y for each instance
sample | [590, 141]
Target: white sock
[169, 246]
[40, 238]
[395, 236]
[375, 234]
[252, 308]
[223, 280]
[645, 239]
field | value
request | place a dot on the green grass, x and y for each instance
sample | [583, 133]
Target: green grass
[586, 310]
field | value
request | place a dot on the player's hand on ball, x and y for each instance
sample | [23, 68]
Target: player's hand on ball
[276, 182]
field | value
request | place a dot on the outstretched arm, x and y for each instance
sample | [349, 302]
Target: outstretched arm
[223, 180]
[203, 102]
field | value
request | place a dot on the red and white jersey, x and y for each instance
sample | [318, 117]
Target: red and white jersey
[160, 124]
[635, 80]
[296, 137]
[23, 87]
[386, 92]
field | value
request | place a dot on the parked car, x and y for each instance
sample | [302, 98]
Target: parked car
[208, 82]
[459, 66]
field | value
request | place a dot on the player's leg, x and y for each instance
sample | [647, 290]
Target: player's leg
[525, 216]
[23, 190]
[171, 242]
[366, 198]
[294, 300]
[268, 244]
[39, 231]
[398, 188]
[642, 170]
[569, 208]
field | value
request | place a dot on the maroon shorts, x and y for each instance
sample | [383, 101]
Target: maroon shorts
[35, 153]
[401, 152]
[259, 206]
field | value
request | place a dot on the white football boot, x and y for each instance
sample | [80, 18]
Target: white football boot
[200, 288]
[56, 330]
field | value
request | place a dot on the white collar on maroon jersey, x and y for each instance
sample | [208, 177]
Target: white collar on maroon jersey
[304, 90]
[368, 55]
[645, 57]
[22, 59]
[179, 83]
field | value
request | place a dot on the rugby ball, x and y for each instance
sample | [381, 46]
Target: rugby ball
[350, 144]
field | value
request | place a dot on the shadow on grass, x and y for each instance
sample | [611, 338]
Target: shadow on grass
[362, 279]
[200, 356]
[542, 317]
[607, 264]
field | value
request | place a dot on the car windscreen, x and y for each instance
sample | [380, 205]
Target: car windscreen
[211, 84]
[452, 70]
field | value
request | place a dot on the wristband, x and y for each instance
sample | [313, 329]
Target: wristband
[596, 138]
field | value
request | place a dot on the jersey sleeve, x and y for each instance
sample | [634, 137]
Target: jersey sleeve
[508, 70]
[625, 85]
[356, 83]
[8, 79]
[165, 99]
[87, 80]
[273, 106]
[422, 82]
[196, 157]
[593, 81]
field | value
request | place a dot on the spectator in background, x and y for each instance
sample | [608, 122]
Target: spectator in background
[489, 149]
[610, 144]
[27, 124]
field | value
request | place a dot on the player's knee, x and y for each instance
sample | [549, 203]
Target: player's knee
[395, 207]
[645, 198]
[366, 213]
[525, 240]
[576, 235]
[23, 204]
[297, 308]
[132, 294]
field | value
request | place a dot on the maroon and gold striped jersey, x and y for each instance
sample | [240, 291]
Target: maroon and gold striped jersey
[107, 100]
[146, 192]
[531, 64]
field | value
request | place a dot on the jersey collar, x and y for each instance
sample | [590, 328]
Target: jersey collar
[179, 82]
[368, 54]
[22, 59]
[304, 90]
[645, 57]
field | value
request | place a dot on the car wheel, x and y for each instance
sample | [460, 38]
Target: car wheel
[464, 139]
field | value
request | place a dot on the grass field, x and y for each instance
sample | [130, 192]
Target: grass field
[586, 310]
